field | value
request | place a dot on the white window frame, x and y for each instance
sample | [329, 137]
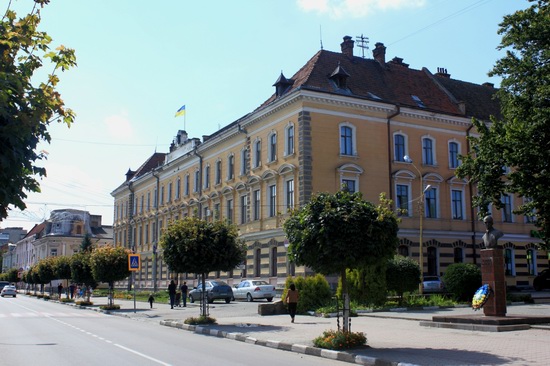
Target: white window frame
[290, 141]
[433, 150]
[462, 203]
[257, 155]
[289, 199]
[206, 178]
[353, 138]
[244, 160]
[458, 152]
[409, 199]
[405, 147]
[272, 147]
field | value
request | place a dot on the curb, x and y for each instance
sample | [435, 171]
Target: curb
[298, 348]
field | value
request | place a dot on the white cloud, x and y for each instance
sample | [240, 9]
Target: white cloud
[355, 8]
[119, 126]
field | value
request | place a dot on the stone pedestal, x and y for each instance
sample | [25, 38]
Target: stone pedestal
[492, 273]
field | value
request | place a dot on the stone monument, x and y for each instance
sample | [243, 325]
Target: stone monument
[492, 270]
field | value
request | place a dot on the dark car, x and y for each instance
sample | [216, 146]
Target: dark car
[542, 281]
[214, 290]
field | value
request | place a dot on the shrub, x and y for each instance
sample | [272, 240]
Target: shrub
[314, 292]
[337, 340]
[201, 320]
[109, 307]
[462, 280]
[366, 285]
[402, 275]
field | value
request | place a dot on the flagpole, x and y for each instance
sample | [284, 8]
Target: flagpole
[184, 120]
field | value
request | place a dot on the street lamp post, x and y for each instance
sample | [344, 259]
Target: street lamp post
[421, 213]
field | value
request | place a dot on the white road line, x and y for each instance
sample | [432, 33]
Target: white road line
[142, 355]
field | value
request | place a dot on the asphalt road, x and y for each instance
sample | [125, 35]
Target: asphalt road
[36, 331]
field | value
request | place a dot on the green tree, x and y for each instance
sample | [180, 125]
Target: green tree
[27, 110]
[336, 232]
[45, 271]
[402, 275]
[196, 246]
[366, 285]
[110, 264]
[521, 139]
[86, 244]
[462, 280]
[62, 268]
[81, 271]
[13, 275]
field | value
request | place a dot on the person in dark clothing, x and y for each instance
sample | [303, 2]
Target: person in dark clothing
[172, 293]
[59, 290]
[72, 287]
[291, 300]
[184, 293]
[151, 300]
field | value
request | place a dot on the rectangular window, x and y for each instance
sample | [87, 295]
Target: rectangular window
[244, 161]
[231, 167]
[216, 211]
[134, 211]
[458, 255]
[197, 185]
[456, 203]
[402, 197]
[187, 185]
[178, 189]
[273, 147]
[289, 199]
[453, 155]
[218, 172]
[155, 198]
[509, 262]
[244, 209]
[349, 185]
[257, 154]
[431, 203]
[272, 199]
[170, 192]
[207, 176]
[257, 204]
[141, 205]
[148, 201]
[531, 262]
[146, 234]
[346, 140]
[427, 151]
[399, 146]
[507, 209]
[53, 252]
[162, 195]
[230, 211]
[290, 140]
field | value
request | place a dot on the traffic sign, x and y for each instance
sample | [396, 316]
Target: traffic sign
[134, 262]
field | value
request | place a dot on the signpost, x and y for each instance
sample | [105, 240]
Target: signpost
[134, 264]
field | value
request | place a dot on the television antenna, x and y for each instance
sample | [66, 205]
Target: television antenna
[363, 43]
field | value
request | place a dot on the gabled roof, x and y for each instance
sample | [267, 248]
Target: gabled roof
[154, 161]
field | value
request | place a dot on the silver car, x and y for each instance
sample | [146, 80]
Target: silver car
[254, 289]
[9, 291]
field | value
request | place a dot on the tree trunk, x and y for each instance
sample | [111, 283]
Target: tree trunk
[345, 297]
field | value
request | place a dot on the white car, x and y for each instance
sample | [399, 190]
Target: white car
[254, 289]
[9, 291]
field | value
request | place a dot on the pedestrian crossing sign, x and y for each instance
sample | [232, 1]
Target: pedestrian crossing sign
[134, 262]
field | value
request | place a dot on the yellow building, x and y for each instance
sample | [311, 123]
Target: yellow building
[369, 124]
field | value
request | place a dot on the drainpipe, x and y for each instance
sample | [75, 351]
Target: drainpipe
[388, 125]
[471, 188]
[155, 234]
[130, 228]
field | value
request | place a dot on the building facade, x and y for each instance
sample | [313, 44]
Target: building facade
[371, 125]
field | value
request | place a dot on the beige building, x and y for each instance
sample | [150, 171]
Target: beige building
[369, 124]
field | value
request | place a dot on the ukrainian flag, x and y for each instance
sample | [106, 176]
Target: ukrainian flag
[180, 111]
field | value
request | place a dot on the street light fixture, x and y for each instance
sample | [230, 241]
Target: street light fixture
[421, 204]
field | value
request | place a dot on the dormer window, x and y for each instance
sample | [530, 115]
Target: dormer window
[340, 77]
[418, 101]
[282, 85]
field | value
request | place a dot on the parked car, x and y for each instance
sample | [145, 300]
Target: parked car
[9, 290]
[215, 290]
[253, 290]
[542, 281]
[432, 284]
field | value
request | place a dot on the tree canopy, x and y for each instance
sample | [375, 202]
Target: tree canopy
[192, 245]
[333, 233]
[26, 110]
[511, 155]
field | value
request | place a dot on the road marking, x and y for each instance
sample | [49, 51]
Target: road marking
[142, 355]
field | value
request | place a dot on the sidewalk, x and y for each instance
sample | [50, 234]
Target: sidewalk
[393, 337]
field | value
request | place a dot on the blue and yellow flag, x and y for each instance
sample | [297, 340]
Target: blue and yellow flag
[180, 111]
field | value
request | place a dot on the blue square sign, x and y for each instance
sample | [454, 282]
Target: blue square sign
[134, 262]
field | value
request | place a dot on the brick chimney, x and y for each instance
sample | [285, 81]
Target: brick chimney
[441, 71]
[379, 53]
[347, 46]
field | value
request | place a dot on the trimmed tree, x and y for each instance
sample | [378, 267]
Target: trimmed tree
[62, 268]
[45, 271]
[337, 232]
[27, 110]
[81, 271]
[110, 264]
[192, 245]
[13, 275]
[402, 275]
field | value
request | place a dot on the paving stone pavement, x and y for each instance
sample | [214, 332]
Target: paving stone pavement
[393, 337]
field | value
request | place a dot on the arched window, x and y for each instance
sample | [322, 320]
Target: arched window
[272, 153]
[289, 139]
[428, 147]
[257, 157]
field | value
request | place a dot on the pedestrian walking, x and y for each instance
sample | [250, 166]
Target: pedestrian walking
[291, 300]
[172, 293]
[59, 290]
[72, 287]
[151, 300]
[184, 289]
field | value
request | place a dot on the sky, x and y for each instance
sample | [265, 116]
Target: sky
[139, 61]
